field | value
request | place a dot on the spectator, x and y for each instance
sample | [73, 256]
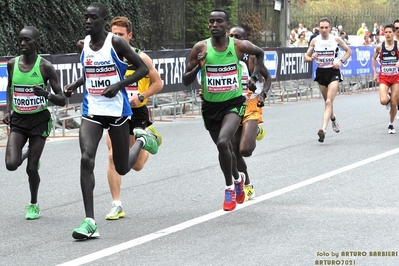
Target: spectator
[367, 41]
[315, 33]
[300, 28]
[301, 40]
[361, 31]
[382, 31]
[308, 34]
[344, 37]
[293, 37]
[340, 29]
[376, 29]
[372, 39]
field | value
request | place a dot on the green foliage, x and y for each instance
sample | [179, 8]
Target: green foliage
[196, 29]
[157, 24]
[60, 23]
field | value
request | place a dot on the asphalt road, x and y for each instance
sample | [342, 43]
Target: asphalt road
[335, 202]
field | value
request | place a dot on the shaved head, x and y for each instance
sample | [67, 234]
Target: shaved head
[31, 31]
[102, 10]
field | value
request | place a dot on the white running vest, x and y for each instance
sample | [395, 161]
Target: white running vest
[103, 68]
[327, 51]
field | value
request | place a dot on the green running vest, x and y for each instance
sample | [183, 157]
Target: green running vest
[221, 74]
[24, 100]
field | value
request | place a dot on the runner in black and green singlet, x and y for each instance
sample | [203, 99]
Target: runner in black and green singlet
[27, 113]
[218, 60]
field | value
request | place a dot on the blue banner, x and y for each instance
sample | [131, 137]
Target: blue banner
[358, 64]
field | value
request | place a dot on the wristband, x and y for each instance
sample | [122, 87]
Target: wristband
[48, 96]
[342, 61]
[255, 77]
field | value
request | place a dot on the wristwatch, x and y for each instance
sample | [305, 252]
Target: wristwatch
[141, 97]
[48, 95]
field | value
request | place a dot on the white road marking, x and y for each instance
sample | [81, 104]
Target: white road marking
[179, 227]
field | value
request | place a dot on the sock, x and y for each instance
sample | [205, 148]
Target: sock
[249, 184]
[142, 140]
[33, 204]
[238, 180]
[90, 220]
[117, 202]
[391, 123]
[230, 187]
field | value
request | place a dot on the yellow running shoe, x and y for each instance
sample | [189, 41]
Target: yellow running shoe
[261, 133]
[249, 192]
[156, 134]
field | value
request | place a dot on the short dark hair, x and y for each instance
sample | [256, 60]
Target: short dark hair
[224, 11]
[244, 31]
[390, 26]
[325, 19]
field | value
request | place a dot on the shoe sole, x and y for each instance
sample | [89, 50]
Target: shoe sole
[156, 134]
[226, 209]
[80, 236]
[322, 135]
[30, 218]
[120, 215]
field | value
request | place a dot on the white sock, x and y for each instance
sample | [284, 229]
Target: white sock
[91, 220]
[117, 202]
[142, 140]
[35, 204]
[230, 187]
[238, 180]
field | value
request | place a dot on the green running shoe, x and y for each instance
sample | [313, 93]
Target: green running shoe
[151, 143]
[156, 134]
[86, 230]
[33, 212]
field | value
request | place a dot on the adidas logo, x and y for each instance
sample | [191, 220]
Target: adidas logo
[229, 54]
[34, 75]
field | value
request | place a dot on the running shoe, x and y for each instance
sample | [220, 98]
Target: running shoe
[33, 212]
[335, 125]
[391, 129]
[151, 141]
[261, 133]
[239, 186]
[115, 213]
[86, 230]
[229, 203]
[322, 135]
[249, 192]
[156, 134]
